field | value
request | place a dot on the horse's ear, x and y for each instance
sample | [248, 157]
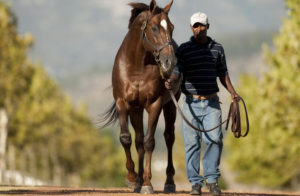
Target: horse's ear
[168, 7]
[152, 5]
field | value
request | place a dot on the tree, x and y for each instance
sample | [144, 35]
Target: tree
[269, 155]
[41, 116]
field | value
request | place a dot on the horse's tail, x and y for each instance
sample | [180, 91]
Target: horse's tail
[110, 116]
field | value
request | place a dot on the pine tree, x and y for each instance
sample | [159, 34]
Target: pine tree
[41, 116]
[270, 154]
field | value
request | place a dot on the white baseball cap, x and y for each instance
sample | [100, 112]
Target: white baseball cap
[199, 17]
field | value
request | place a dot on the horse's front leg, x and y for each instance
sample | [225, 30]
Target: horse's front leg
[125, 139]
[136, 119]
[153, 110]
[169, 110]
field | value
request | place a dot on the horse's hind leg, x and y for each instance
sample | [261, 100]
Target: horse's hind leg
[170, 116]
[136, 119]
[125, 139]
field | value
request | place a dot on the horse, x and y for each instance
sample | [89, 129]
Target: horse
[145, 57]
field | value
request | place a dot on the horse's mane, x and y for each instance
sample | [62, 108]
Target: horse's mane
[138, 8]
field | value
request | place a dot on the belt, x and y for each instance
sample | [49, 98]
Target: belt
[203, 97]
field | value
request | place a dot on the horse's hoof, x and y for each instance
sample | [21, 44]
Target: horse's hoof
[137, 189]
[147, 190]
[132, 185]
[170, 188]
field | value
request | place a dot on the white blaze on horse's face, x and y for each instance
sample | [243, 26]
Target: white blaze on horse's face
[164, 24]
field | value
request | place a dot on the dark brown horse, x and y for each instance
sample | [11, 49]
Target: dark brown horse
[145, 57]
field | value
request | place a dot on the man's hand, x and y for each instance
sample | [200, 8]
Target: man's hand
[169, 83]
[236, 96]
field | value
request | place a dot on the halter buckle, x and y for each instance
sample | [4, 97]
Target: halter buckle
[143, 27]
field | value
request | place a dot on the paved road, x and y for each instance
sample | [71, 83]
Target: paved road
[15, 190]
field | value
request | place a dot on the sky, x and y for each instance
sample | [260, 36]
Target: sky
[77, 34]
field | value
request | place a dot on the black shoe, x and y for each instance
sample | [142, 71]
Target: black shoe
[196, 189]
[214, 188]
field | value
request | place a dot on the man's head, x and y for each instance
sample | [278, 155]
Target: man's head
[199, 25]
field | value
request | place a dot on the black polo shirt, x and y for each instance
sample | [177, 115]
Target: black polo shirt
[200, 65]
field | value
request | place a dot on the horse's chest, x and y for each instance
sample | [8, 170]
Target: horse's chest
[141, 92]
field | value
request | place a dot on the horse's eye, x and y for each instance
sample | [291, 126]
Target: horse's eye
[155, 29]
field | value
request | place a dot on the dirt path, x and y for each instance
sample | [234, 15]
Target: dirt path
[15, 190]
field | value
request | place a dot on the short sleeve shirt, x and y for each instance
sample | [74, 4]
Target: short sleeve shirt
[200, 65]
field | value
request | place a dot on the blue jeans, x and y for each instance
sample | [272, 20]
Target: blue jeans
[204, 114]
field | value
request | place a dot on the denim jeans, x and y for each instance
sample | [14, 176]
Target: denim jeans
[204, 114]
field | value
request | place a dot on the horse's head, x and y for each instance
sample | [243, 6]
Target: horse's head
[157, 31]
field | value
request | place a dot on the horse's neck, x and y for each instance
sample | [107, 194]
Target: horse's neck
[135, 49]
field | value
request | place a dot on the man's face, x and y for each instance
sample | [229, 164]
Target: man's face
[199, 30]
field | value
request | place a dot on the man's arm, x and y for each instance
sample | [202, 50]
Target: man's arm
[225, 80]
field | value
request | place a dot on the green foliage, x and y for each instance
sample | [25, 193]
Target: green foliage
[41, 116]
[269, 155]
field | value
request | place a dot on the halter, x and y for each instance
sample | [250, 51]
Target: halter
[156, 49]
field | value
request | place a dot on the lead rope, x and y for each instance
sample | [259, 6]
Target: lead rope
[186, 120]
[234, 114]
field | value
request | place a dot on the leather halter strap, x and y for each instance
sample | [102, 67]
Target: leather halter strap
[156, 49]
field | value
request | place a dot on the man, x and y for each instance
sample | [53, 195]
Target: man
[200, 61]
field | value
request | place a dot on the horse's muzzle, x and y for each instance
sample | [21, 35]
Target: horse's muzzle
[167, 63]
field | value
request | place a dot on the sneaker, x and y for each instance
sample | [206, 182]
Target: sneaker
[196, 189]
[214, 188]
